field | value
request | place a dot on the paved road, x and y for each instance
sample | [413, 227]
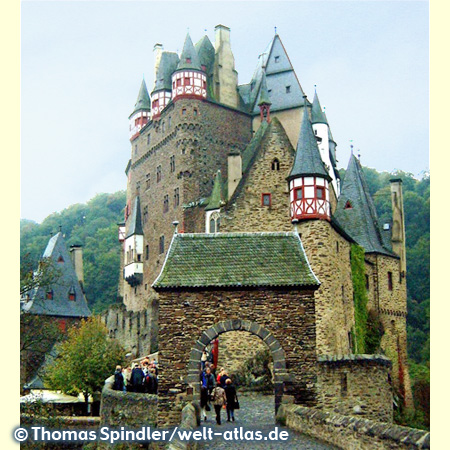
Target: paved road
[257, 413]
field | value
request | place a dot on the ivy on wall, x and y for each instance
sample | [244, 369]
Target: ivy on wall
[359, 298]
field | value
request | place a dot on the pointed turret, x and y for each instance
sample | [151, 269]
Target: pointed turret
[189, 79]
[134, 247]
[317, 115]
[205, 51]
[142, 111]
[356, 211]
[264, 100]
[308, 180]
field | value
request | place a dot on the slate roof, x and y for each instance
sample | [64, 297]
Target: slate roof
[216, 198]
[206, 53]
[236, 260]
[189, 52]
[67, 281]
[361, 220]
[317, 115]
[264, 94]
[307, 156]
[143, 100]
[135, 226]
[167, 65]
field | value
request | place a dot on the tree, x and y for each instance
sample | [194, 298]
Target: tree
[85, 359]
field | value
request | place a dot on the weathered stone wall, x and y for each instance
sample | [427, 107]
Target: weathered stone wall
[199, 135]
[351, 433]
[356, 385]
[137, 331]
[391, 305]
[247, 213]
[329, 256]
[181, 339]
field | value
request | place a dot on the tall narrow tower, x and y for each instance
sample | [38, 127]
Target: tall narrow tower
[141, 113]
[398, 223]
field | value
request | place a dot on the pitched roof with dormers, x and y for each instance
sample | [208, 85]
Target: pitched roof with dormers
[66, 281]
[236, 260]
[189, 58]
[143, 100]
[307, 160]
[356, 211]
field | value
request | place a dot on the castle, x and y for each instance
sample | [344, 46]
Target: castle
[224, 181]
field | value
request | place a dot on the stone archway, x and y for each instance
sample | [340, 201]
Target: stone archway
[276, 351]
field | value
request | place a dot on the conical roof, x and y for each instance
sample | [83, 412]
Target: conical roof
[264, 93]
[167, 65]
[307, 160]
[143, 100]
[356, 211]
[215, 200]
[189, 57]
[206, 53]
[135, 226]
[317, 115]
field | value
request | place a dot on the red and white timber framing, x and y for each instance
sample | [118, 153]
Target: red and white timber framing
[137, 121]
[159, 100]
[188, 83]
[309, 198]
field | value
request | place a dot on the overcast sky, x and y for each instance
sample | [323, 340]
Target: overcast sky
[82, 64]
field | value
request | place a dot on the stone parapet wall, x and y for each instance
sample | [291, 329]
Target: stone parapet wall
[356, 385]
[351, 433]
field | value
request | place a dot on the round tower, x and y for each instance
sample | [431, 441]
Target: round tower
[309, 179]
[189, 79]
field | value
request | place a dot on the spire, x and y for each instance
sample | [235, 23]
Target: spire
[356, 211]
[215, 200]
[135, 220]
[167, 65]
[317, 115]
[264, 93]
[189, 58]
[143, 99]
[307, 156]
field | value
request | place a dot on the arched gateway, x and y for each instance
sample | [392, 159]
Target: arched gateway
[214, 283]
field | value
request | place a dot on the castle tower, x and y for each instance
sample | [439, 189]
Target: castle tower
[166, 64]
[322, 131]
[308, 180]
[189, 79]
[134, 247]
[141, 113]
[225, 75]
[264, 101]
[398, 223]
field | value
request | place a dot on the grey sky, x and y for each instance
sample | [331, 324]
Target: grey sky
[83, 62]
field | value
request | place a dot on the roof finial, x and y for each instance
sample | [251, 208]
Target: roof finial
[359, 154]
[275, 30]
[351, 145]
[315, 89]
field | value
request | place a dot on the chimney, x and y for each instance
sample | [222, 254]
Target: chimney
[157, 52]
[234, 171]
[76, 254]
[398, 223]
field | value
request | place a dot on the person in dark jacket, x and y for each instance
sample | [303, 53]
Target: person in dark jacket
[118, 379]
[137, 379]
[207, 385]
[230, 392]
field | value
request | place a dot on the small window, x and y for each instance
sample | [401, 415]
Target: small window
[367, 282]
[187, 81]
[275, 164]
[170, 122]
[299, 194]
[147, 181]
[60, 259]
[348, 205]
[158, 174]
[163, 127]
[147, 252]
[212, 225]
[172, 163]
[148, 138]
[277, 59]
[49, 295]
[135, 150]
[344, 384]
[179, 82]
[195, 112]
[145, 214]
[390, 286]
[288, 89]
[320, 192]
[337, 246]
[183, 111]
[266, 200]
[155, 103]
[176, 197]
[72, 294]
[188, 60]
[161, 244]
[166, 203]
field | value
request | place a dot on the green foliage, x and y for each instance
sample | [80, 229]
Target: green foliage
[374, 332]
[359, 297]
[94, 226]
[85, 359]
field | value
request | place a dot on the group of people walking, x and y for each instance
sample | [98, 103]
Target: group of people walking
[139, 377]
[218, 391]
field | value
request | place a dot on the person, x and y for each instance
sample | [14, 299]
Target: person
[118, 379]
[218, 399]
[224, 378]
[213, 369]
[204, 358]
[219, 376]
[230, 392]
[127, 376]
[207, 385]
[153, 382]
[137, 378]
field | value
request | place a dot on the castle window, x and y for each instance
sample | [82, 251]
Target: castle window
[299, 193]
[158, 174]
[348, 205]
[204, 84]
[179, 82]
[275, 164]
[170, 121]
[166, 203]
[277, 59]
[172, 163]
[367, 282]
[288, 89]
[60, 259]
[147, 181]
[163, 127]
[155, 103]
[390, 286]
[135, 150]
[344, 384]
[148, 138]
[147, 252]
[72, 294]
[350, 341]
[49, 295]
[145, 214]
[188, 60]
[337, 246]
[266, 199]
[214, 222]
[320, 192]
[183, 111]
[176, 197]
[161, 244]
[195, 112]
[138, 186]
[187, 81]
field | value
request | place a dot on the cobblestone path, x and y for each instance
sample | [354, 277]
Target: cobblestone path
[257, 413]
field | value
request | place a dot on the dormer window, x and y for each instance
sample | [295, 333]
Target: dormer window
[188, 60]
[348, 205]
[214, 222]
[275, 164]
[60, 259]
[49, 295]
[277, 59]
[72, 294]
[288, 89]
